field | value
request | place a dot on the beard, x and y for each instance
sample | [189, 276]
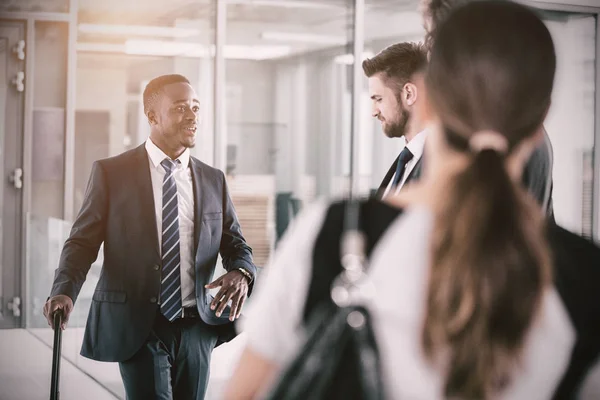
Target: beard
[397, 129]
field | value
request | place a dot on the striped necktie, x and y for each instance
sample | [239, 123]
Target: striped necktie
[170, 286]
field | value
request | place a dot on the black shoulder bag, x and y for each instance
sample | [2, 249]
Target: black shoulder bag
[339, 359]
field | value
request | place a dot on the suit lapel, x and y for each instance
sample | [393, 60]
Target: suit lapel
[386, 180]
[146, 197]
[415, 173]
[196, 180]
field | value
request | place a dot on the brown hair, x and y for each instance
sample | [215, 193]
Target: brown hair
[492, 68]
[434, 13]
[399, 62]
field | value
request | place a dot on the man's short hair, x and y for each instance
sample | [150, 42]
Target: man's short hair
[435, 12]
[155, 86]
[398, 62]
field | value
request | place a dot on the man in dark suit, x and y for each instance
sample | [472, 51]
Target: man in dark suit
[398, 93]
[163, 216]
[397, 90]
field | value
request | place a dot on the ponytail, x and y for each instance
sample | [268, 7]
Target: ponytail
[490, 266]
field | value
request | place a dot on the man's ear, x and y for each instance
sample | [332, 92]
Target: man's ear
[410, 93]
[151, 118]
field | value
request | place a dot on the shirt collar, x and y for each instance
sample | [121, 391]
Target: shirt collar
[157, 155]
[417, 144]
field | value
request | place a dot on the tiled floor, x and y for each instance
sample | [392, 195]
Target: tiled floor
[26, 358]
[26, 361]
[25, 370]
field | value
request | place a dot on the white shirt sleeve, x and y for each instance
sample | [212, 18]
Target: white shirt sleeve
[274, 319]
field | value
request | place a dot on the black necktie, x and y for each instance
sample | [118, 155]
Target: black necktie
[403, 159]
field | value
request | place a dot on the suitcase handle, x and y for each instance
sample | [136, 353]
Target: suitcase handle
[56, 354]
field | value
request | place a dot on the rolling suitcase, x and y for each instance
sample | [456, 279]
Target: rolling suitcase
[56, 353]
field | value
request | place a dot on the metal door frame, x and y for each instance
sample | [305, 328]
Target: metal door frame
[12, 273]
[30, 19]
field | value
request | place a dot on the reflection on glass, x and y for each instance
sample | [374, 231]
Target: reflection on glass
[287, 110]
[571, 119]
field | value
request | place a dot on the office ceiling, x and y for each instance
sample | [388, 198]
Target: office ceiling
[159, 12]
[247, 20]
[327, 17]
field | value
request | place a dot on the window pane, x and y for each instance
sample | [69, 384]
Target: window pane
[288, 99]
[570, 122]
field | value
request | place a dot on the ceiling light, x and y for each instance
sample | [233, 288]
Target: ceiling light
[100, 47]
[159, 48]
[165, 48]
[304, 38]
[138, 30]
[288, 4]
[243, 52]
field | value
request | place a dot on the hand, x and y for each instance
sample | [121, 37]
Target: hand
[59, 302]
[234, 287]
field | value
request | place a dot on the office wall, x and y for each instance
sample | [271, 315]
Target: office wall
[250, 117]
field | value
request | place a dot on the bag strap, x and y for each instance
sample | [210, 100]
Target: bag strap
[352, 286]
[374, 219]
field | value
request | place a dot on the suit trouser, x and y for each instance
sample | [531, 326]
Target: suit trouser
[173, 363]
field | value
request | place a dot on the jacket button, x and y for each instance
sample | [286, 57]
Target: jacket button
[152, 299]
[156, 267]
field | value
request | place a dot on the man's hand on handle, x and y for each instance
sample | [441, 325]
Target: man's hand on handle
[234, 287]
[59, 302]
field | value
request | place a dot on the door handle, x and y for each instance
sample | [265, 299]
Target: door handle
[18, 81]
[19, 50]
[16, 178]
[15, 306]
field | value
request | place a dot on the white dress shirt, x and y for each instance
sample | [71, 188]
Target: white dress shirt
[416, 147]
[185, 208]
[397, 311]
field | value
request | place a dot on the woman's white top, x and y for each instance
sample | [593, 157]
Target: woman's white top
[399, 267]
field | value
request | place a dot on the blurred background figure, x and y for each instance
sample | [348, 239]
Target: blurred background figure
[537, 176]
[478, 295]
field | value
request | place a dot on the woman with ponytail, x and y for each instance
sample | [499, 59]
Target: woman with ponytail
[470, 299]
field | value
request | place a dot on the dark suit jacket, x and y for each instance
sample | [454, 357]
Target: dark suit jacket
[537, 175]
[415, 174]
[118, 210]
